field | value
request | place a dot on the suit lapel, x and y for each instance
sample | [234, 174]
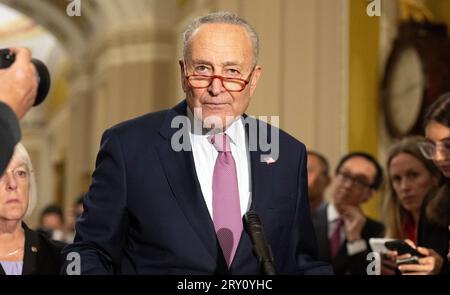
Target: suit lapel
[261, 179]
[179, 168]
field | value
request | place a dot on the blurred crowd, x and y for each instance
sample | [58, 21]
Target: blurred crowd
[416, 204]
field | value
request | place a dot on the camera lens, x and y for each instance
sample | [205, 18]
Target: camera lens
[43, 77]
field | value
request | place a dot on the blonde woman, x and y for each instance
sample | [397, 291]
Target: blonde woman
[411, 177]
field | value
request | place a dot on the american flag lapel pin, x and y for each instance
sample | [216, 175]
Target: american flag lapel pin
[269, 160]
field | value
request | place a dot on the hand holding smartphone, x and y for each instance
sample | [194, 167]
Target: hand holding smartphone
[403, 248]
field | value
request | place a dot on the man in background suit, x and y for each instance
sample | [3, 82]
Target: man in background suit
[318, 180]
[18, 88]
[342, 229]
[159, 204]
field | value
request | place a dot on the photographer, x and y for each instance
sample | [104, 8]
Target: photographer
[18, 88]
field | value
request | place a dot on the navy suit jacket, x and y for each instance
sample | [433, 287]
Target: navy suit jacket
[145, 212]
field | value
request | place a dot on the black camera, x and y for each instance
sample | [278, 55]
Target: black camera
[43, 76]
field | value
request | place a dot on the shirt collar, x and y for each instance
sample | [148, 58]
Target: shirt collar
[332, 213]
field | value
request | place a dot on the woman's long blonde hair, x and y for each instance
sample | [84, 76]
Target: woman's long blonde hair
[394, 213]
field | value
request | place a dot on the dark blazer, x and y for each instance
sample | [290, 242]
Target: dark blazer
[343, 263]
[9, 135]
[145, 212]
[42, 256]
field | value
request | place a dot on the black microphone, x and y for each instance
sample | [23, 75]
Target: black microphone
[254, 228]
[43, 76]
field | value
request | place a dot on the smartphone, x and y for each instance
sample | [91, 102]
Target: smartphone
[402, 248]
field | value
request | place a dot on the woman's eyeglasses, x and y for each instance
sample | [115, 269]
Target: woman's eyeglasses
[429, 149]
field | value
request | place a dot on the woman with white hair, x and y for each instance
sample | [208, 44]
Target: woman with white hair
[23, 251]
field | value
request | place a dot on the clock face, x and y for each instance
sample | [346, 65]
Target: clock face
[405, 91]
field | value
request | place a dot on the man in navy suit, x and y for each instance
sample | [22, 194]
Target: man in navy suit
[152, 205]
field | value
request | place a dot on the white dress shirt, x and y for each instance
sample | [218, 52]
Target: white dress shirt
[205, 156]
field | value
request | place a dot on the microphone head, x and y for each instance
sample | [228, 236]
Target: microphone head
[253, 227]
[43, 77]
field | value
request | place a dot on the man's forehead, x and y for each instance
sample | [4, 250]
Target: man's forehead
[360, 166]
[220, 44]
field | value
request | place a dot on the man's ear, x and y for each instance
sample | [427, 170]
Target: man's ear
[255, 78]
[183, 80]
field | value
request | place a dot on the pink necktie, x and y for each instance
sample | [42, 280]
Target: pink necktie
[226, 206]
[335, 241]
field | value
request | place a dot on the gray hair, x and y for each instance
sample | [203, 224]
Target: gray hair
[222, 17]
[21, 152]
